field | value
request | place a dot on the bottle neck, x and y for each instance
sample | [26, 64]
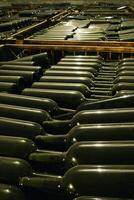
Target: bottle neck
[65, 116]
[48, 158]
[55, 142]
[46, 183]
[57, 126]
[62, 111]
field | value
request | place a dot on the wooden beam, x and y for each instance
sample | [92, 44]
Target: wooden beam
[74, 48]
[80, 43]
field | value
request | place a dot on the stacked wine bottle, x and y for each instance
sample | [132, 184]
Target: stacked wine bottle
[8, 28]
[67, 130]
[87, 28]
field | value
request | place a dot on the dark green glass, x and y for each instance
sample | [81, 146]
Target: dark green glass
[124, 93]
[35, 57]
[13, 79]
[85, 153]
[68, 79]
[96, 132]
[8, 192]
[12, 169]
[84, 57]
[129, 59]
[68, 73]
[63, 86]
[19, 128]
[88, 180]
[126, 79]
[64, 98]
[126, 60]
[122, 86]
[8, 87]
[96, 65]
[127, 63]
[125, 68]
[36, 69]
[15, 62]
[80, 59]
[126, 73]
[34, 102]
[24, 113]
[29, 76]
[98, 198]
[115, 102]
[66, 68]
[16, 147]
[120, 115]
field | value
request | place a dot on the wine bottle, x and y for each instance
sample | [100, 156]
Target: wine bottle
[8, 87]
[6, 26]
[126, 79]
[126, 60]
[40, 59]
[18, 147]
[85, 153]
[64, 68]
[23, 148]
[84, 57]
[126, 73]
[104, 79]
[122, 86]
[99, 180]
[33, 102]
[20, 128]
[98, 198]
[68, 73]
[68, 79]
[127, 63]
[81, 59]
[125, 68]
[24, 113]
[29, 76]
[8, 192]
[35, 57]
[12, 169]
[96, 65]
[63, 86]
[107, 74]
[64, 98]
[13, 79]
[91, 132]
[15, 62]
[114, 102]
[36, 69]
[124, 93]
[89, 117]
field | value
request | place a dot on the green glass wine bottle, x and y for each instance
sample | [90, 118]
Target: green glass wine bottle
[120, 115]
[33, 102]
[98, 198]
[20, 128]
[12, 169]
[8, 192]
[86, 132]
[88, 180]
[86, 153]
[24, 113]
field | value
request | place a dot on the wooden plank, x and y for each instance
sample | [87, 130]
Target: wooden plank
[74, 48]
[81, 43]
